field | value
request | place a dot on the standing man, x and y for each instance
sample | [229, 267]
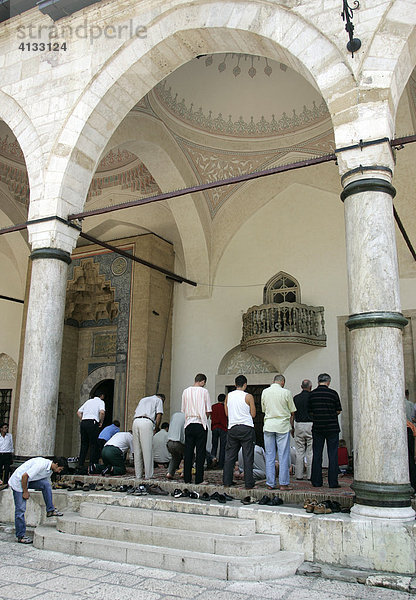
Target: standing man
[196, 404]
[176, 442]
[146, 421]
[219, 429]
[6, 452]
[279, 408]
[91, 414]
[303, 431]
[324, 408]
[240, 410]
[33, 474]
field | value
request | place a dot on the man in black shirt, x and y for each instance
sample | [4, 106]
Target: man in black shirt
[324, 408]
[303, 431]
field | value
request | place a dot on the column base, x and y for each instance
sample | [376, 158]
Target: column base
[391, 515]
[382, 495]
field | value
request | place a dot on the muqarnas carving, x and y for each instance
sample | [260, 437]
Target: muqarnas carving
[89, 297]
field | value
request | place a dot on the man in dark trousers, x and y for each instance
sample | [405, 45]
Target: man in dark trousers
[303, 431]
[324, 408]
[219, 429]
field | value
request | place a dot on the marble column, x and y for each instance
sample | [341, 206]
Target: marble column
[38, 405]
[381, 475]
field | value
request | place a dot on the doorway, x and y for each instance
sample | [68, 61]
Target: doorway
[106, 387]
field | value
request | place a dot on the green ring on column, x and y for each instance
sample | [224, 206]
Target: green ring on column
[388, 495]
[368, 185]
[55, 253]
[376, 319]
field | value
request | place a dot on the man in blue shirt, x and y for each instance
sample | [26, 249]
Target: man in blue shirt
[108, 433]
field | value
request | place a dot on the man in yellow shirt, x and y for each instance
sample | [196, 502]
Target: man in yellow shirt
[279, 410]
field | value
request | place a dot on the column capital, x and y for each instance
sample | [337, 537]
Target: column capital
[375, 158]
[53, 232]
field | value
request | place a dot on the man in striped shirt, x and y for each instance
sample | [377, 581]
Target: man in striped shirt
[324, 408]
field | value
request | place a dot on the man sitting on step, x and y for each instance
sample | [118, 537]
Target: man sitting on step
[113, 455]
[33, 474]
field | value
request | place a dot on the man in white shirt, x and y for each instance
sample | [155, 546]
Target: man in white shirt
[91, 415]
[114, 453]
[279, 410]
[161, 454]
[6, 452]
[240, 409]
[33, 474]
[146, 421]
[176, 442]
[196, 404]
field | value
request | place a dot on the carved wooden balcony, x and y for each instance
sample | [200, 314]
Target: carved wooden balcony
[280, 333]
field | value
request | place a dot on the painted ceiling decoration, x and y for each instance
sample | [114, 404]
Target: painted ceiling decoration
[239, 127]
[118, 168]
[111, 172]
[210, 164]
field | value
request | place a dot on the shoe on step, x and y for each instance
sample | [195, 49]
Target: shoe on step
[24, 540]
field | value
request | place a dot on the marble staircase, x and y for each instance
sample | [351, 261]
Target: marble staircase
[188, 537]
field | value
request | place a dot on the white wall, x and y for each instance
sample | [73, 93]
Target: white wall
[301, 231]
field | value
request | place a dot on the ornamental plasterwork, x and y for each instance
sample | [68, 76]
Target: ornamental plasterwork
[244, 363]
[225, 125]
[89, 297]
[8, 368]
[211, 164]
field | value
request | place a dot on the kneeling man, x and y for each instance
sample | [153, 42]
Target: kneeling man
[33, 474]
[114, 453]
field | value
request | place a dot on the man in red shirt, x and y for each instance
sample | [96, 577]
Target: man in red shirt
[219, 425]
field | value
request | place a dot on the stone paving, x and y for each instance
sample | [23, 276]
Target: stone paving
[28, 573]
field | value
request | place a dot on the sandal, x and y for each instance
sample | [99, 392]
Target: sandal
[310, 508]
[322, 509]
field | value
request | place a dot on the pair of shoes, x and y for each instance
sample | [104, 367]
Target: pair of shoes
[323, 508]
[265, 500]
[156, 490]
[54, 513]
[218, 497]
[285, 488]
[193, 495]
[248, 500]
[24, 540]
[180, 493]
[309, 505]
[205, 496]
[107, 471]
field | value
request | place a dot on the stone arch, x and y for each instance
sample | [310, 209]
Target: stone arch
[176, 36]
[16, 118]
[99, 374]
[388, 66]
[176, 173]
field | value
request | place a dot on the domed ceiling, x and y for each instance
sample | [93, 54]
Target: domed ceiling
[240, 95]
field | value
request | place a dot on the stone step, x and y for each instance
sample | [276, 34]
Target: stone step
[201, 540]
[169, 519]
[238, 568]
